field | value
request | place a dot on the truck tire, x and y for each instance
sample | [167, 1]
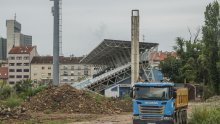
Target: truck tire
[177, 118]
[180, 117]
[184, 117]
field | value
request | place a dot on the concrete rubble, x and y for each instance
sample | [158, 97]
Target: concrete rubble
[67, 99]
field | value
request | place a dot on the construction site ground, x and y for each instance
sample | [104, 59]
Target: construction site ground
[65, 118]
[66, 105]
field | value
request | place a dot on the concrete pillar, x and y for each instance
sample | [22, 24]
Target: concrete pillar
[134, 46]
[56, 39]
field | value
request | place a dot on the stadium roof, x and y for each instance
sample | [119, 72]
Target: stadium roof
[109, 51]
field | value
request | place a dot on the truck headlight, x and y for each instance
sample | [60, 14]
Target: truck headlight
[167, 118]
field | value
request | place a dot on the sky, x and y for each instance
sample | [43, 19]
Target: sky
[87, 22]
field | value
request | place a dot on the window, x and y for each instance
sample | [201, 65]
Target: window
[26, 70]
[35, 80]
[11, 76]
[79, 73]
[26, 64]
[12, 58]
[79, 67]
[65, 67]
[19, 76]
[19, 64]
[11, 82]
[49, 74]
[11, 64]
[26, 76]
[49, 68]
[86, 72]
[65, 80]
[19, 58]
[11, 70]
[35, 74]
[26, 58]
[72, 67]
[43, 67]
[19, 70]
[86, 67]
[65, 73]
[72, 79]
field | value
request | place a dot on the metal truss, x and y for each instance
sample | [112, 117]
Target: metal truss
[106, 82]
[111, 49]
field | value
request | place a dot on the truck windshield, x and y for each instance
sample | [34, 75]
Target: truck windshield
[151, 93]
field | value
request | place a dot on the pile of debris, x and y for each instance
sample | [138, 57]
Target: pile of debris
[68, 99]
[15, 113]
[213, 99]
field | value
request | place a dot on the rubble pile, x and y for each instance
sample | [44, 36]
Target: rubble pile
[213, 99]
[68, 99]
[15, 113]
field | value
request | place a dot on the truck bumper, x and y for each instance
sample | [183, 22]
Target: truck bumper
[138, 121]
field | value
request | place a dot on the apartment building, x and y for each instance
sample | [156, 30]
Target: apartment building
[19, 60]
[70, 69]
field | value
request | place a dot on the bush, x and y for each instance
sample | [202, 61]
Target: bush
[205, 115]
[208, 92]
[30, 92]
[5, 92]
[13, 101]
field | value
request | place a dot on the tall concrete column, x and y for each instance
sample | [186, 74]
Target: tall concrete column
[56, 35]
[134, 46]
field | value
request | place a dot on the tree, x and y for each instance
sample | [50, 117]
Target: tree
[170, 68]
[210, 38]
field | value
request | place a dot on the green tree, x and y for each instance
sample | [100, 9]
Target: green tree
[170, 68]
[210, 38]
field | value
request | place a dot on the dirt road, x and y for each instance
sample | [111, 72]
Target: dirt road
[125, 118]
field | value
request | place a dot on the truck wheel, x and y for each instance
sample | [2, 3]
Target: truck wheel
[185, 117]
[180, 117]
[177, 118]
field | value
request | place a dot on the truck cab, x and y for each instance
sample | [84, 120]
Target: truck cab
[153, 103]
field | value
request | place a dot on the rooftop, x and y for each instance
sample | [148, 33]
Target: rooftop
[3, 72]
[110, 50]
[21, 50]
[49, 60]
[160, 56]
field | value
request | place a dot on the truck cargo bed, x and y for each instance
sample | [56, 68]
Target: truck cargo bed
[181, 98]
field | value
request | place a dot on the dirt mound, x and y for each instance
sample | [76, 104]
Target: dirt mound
[68, 99]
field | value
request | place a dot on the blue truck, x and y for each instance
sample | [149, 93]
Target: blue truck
[159, 103]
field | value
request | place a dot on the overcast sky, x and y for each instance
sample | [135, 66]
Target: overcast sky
[87, 22]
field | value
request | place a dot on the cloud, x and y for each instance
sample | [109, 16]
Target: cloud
[87, 22]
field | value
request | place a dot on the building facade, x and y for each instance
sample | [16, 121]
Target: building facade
[3, 49]
[14, 35]
[70, 69]
[4, 74]
[19, 63]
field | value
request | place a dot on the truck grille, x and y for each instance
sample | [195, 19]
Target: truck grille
[151, 109]
[151, 118]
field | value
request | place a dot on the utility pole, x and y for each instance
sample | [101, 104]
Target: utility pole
[134, 46]
[56, 39]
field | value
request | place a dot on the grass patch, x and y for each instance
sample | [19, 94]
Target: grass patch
[12, 101]
[205, 115]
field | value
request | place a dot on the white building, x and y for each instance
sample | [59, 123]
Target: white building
[19, 60]
[70, 69]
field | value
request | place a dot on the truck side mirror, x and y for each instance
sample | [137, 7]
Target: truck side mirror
[174, 95]
[131, 92]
